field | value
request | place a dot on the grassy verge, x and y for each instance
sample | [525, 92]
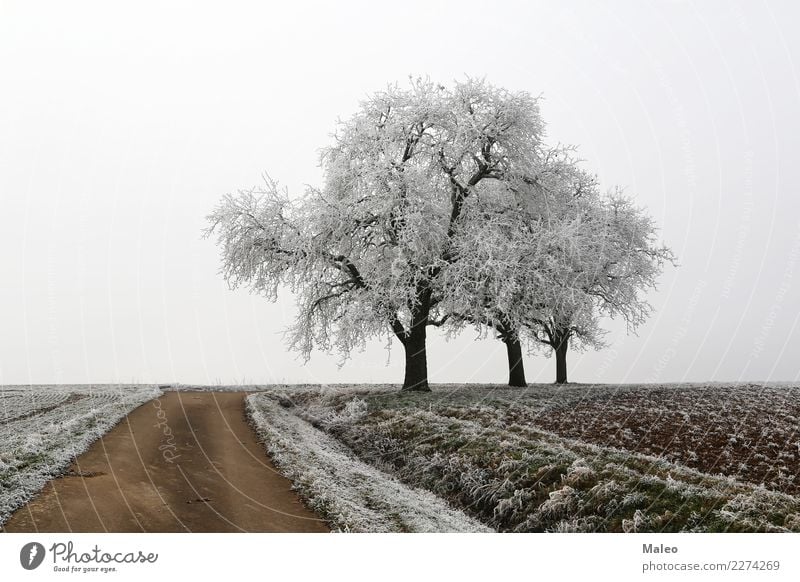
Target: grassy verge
[348, 493]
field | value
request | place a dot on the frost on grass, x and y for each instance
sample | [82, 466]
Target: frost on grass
[350, 494]
[493, 453]
[43, 428]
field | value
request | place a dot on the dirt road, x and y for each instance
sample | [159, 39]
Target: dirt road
[187, 461]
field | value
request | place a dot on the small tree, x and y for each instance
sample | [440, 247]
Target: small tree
[367, 253]
[607, 259]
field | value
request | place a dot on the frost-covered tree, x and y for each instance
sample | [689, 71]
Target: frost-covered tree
[547, 274]
[604, 265]
[608, 267]
[368, 252]
[505, 254]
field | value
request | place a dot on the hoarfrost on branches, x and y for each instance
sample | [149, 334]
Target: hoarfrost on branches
[367, 253]
[443, 207]
[547, 271]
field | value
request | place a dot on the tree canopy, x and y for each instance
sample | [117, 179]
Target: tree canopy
[442, 207]
[548, 272]
[367, 252]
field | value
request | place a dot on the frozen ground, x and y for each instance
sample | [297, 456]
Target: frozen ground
[709, 457]
[347, 492]
[750, 432]
[42, 428]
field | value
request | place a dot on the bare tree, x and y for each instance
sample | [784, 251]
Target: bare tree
[368, 252]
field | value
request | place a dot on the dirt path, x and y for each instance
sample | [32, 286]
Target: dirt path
[187, 461]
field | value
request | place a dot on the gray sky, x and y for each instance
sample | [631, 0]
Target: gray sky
[122, 126]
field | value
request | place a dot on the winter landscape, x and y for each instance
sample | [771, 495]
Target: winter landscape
[575, 458]
[347, 269]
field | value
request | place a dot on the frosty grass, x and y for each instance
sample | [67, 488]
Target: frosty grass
[43, 428]
[350, 494]
[482, 449]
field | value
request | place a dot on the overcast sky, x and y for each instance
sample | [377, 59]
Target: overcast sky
[122, 126]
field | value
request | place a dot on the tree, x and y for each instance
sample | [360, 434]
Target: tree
[368, 253]
[506, 251]
[488, 284]
[547, 274]
[612, 258]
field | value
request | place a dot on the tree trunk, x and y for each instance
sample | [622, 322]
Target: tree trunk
[561, 361]
[516, 367]
[416, 377]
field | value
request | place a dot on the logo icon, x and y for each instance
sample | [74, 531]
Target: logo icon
[31, 555]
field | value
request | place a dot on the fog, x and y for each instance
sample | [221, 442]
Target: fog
[122, 126]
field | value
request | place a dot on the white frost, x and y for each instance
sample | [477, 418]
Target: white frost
[43, 428]
[352, 495]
